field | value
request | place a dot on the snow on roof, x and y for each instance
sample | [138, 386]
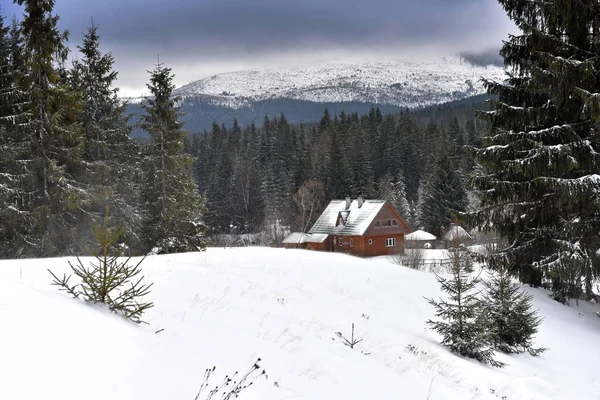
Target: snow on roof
[457, 230]
[356, 219]
[295, 238]
[300, 237]
[316, 238]
[420, 235]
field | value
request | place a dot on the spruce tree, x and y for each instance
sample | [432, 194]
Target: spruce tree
[11, 116]
[49, 198]
[462, 318]
[407, 146]
[394, 192]
[441, 196]
[512, 320]
[111, 171]
[174, 214]
[339, 179]
[110, 279]
[538, 184]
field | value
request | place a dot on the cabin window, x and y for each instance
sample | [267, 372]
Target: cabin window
[351, 242]
[370, 241]
[394, 222]
[378, 223]
[390, 242]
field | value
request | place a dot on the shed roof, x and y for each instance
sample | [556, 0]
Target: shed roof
[457, 230]
[300, 237]
[355, 219]
[420, 235]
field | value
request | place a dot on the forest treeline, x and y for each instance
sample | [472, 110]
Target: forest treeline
[252, 176]
[66, 151]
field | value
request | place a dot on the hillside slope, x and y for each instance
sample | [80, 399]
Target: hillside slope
[226, 307]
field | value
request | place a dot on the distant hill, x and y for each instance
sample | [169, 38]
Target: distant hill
[302, 93]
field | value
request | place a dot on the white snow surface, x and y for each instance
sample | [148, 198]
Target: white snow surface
[227, 307]
[420, 235]
[405, 83]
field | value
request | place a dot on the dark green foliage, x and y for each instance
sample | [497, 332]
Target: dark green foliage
[112, 169]
[49, 147]
[174, 208]
[11, 146]
[441, 196]
[394, 192]
[109, 280]
[249, 175]
[538, 180]
[462, 320]
[511, 319]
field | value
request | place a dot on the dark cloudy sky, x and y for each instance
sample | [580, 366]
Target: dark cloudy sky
[198, 38]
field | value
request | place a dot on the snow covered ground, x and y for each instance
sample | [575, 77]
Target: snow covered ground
[227, 307]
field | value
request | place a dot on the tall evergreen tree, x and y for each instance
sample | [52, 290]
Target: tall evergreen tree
[111, 171]
[174, 215]
[442, 195]
[394, 192]
[49, 196]
[339, 172]
[11, 116]
[539, 183]
[408, 150]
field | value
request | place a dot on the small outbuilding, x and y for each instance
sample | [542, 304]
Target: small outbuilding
[456, 234]
[419, 240]
[301, 240]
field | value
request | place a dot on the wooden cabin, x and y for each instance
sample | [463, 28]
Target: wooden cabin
[364, 228]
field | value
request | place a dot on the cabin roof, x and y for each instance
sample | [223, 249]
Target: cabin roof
[457, 230]
[300, 237]
[354, 219]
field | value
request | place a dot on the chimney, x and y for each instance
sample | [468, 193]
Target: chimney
[360, 201]
[348, 202]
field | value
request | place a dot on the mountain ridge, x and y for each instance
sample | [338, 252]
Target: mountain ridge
[402, 83]
[301, 93]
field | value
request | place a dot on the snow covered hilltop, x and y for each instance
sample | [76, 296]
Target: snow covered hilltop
[403, 83]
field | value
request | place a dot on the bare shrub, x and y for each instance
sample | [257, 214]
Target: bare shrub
[413, 258]
[231, 386]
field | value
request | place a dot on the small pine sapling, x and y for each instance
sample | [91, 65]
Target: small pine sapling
[230, 387]
[510, 314]
[463, 323]
[109, 280]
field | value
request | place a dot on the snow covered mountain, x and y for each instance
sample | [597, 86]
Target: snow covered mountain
[403, 83]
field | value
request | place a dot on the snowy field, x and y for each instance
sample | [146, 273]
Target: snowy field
[227, 307]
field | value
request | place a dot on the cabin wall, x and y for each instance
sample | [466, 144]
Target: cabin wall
[378, 247]
[295, 245]
[387, 213]
[316, 246]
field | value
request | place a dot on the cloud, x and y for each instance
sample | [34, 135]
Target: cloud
[210, 36]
